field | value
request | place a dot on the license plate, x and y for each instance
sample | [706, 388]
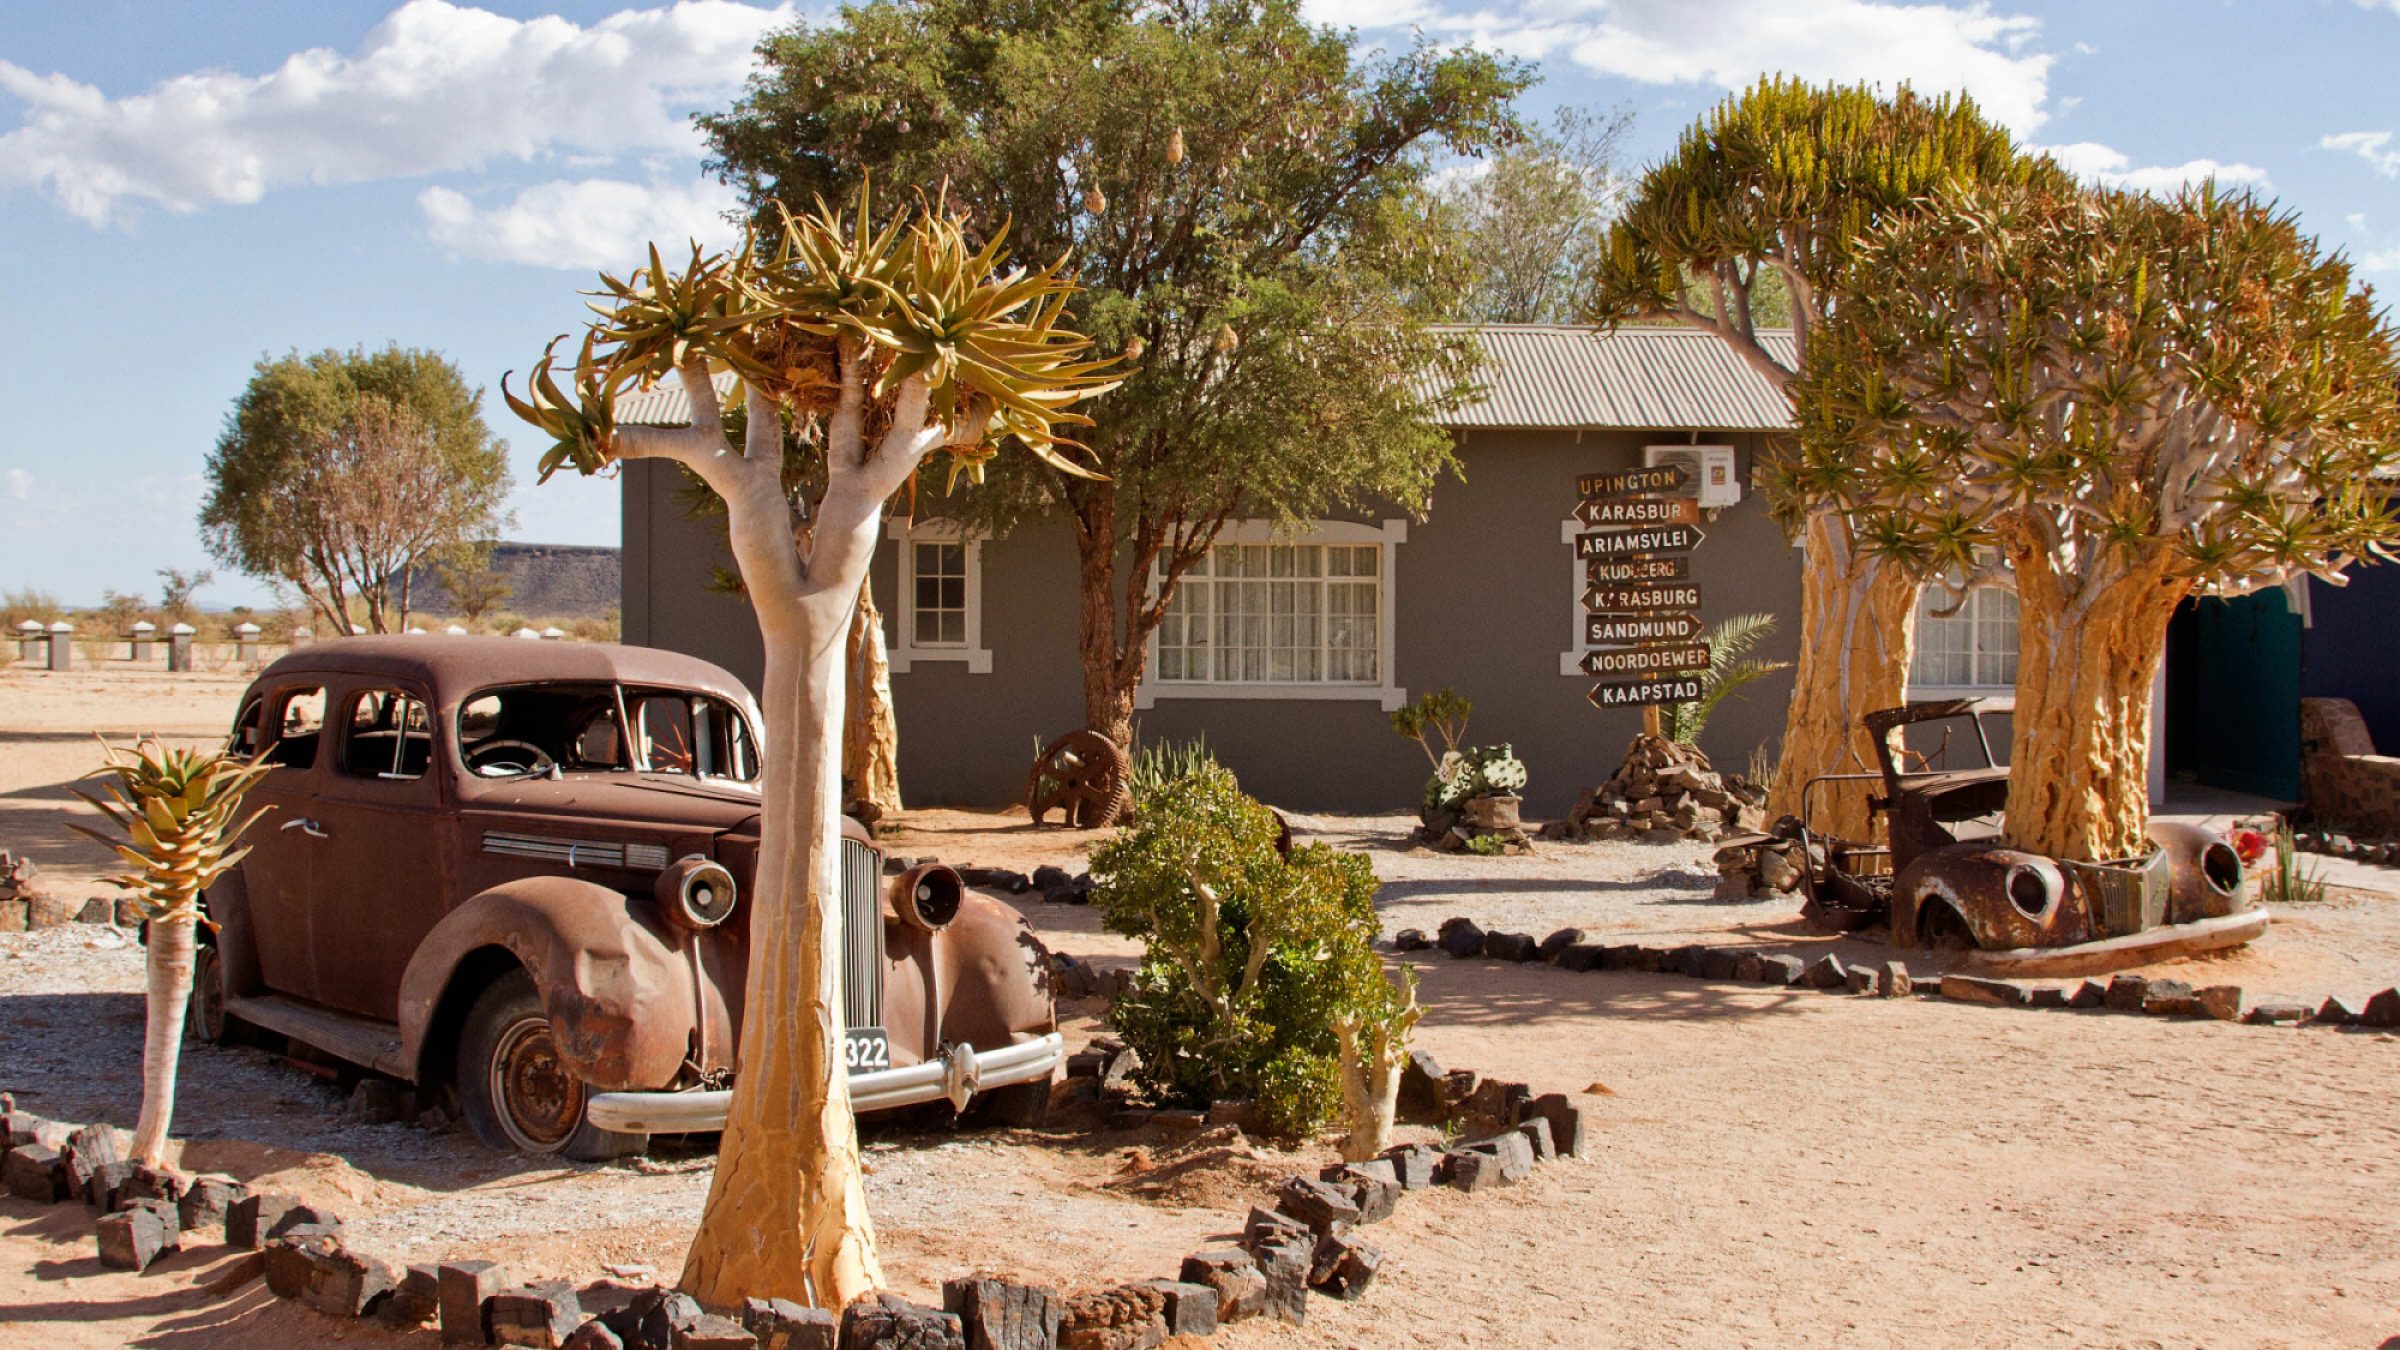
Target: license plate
[868, 1049]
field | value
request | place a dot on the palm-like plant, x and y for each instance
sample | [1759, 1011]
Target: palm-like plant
[1730, 670]
[175, 811]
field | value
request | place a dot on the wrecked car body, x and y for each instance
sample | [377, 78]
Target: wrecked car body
[1947, 878]
[520, 872]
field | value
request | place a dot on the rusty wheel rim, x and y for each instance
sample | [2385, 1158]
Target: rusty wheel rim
[538, 1102]
[208, 996]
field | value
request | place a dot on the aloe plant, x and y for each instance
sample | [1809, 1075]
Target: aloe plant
[175, 813]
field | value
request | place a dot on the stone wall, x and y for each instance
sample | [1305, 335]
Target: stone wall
[2343, 780]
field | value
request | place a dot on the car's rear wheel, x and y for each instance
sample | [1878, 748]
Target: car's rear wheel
[205, 1021]
[515, 1090]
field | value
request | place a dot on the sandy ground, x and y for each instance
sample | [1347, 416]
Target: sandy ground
[1769, 1167]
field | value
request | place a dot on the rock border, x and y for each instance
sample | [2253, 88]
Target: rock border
[1462, 939]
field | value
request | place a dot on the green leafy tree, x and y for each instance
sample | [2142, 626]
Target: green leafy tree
[1531, 222]
[176, 588]
[885, 343]
[1240, 197]
[338, 473]
[474, 586]
[1259, 977]
[1768, 193]
[2133, 400]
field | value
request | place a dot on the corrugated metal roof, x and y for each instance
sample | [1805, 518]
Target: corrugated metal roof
[1651, 378]
[1540, 375]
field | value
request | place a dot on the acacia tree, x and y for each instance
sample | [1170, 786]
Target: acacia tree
[2133, 400]
[1242, 196]
[1532, 220]
[885, 345]
[1769, 192]
[338, 473]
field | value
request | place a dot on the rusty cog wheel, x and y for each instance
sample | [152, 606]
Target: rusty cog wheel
[1084, 776]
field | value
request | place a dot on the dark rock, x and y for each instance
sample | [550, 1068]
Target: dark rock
[291, 1267]
[1750, 967]
[1413, 1165]
[1897, 982]
[2382, 1010]
[2045, 996]
[131, 1239]
[1325, 1208]
[1536, 1133]
[1682, 961]
[1650, 960]
[1565, 1121]
[1975, 989]
[19, 1128]
[1460, 937]
[1826, 972]
[155, 1183]
[256, 1219]
[1780, 968]
[1421, 1100]
[996, 1314]
[1047, 878]
[1621, 956]
[415, 1301]
[1410, 940]
[344, 1283]
[1470, 1171]
[207, 1200]
[1269, 1225]
[1133, 1317]
[109, 1186]
[2170, 998]
[780, 1324]
[2276, 1014]
[1514, 1151]
[2222, 1002]
[1343, 1266]
[2089, 994]
[711, 1332]
[1191, 1309]
[2338, 1011]
[1719, 963]
[375, 1101]
[36, 1173]
[463, 1286]
[1558, 942]
[1865, 980]
[1518, 947]
[1372, 1186]
[1581, 957]
[595, 1335]
[651, 1319]
[890, 1322]
[542, 1314]
[1285, 1264]
[1234, 1276]
[87, 1151]
[2126, 993]
[1500, 1102]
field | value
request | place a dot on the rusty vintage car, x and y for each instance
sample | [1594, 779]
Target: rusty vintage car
[1947, 878]
[520, 870]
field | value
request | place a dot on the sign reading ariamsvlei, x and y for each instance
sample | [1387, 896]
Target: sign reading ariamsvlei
[1621, 543]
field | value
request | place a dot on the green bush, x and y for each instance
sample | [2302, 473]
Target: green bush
[1256, 967]
[1161, 763]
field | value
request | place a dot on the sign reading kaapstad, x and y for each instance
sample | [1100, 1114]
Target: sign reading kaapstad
[1670, 595]
[1619, 630]
[1623, 543]
[1621, 512]
[1630, 693]
[1602, 571]
[1621, 482]
[1646, 660]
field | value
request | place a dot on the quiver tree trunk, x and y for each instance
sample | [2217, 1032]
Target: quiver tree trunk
[2088, 652]
[1371, 1059]
[870, 732]
[168, 994]
[1858, 620]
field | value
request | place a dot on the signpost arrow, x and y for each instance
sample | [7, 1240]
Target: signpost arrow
[1622, 512]
[1621, 482]
[1602, 571]
[1646, 660]
[1630, 693]
[1671, 595]
[1625, 543]
[1618, 630]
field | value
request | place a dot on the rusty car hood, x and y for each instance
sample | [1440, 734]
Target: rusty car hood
[667, 800]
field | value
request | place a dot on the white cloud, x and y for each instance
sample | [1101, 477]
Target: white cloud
[1727, 44]
[434, 87]
[20, 485]
[2113, 167]
[2375, 147]
[588, 224]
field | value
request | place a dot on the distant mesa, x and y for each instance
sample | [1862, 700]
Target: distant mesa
[565, 581]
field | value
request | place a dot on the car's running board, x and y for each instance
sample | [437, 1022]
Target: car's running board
[360, 1040]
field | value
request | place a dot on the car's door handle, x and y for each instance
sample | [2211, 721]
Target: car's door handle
[305, 826]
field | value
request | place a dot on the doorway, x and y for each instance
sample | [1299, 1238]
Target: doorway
[2233, 694]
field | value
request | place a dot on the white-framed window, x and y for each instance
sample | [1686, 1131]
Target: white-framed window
[1971, 651]
[1300, 616]
[940, 614]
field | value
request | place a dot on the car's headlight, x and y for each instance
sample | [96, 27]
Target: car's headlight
[696, 893]
[928, 897]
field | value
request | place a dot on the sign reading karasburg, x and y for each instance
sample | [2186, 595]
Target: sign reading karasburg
[1638, 511]
[1671, 595]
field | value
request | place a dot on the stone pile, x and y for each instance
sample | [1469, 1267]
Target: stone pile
[1664, 792]
[1461, 829]
[1761, 871]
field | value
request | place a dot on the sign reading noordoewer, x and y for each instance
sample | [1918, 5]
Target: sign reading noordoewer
[1640, 606]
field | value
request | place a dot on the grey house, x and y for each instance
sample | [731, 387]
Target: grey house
[1289, 651]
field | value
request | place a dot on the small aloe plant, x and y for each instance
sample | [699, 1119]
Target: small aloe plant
[175, 813]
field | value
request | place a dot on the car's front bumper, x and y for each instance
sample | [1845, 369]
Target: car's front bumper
[956, 1075]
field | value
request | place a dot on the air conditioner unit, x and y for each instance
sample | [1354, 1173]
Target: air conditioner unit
[1710, 468]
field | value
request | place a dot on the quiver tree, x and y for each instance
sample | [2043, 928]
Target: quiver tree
[882, 344]
[1768, 193]
[2131, 400]
[1243, 196]
[176, 816]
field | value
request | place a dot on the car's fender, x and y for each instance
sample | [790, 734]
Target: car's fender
[2007, 897]
[615, 981]
[995, 977]
[2206, 877]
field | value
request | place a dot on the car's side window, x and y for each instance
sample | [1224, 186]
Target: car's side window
[390, 736]
[245, 739]
[691, 733]
[299, 725]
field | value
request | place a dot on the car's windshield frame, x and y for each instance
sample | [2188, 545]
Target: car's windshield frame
[618, 711]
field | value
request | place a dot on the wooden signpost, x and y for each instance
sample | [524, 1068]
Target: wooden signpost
[1640, 608]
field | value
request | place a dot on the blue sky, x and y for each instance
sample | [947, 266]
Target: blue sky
[186, 186]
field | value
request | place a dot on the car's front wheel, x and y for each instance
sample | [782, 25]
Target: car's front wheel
[205, 1020]
[515, 1090]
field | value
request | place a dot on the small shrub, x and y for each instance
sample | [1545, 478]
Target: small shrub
[1259, 978]
[1161, 764]
[2289, 883]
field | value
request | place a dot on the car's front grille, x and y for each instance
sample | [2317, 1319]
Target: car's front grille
[550, 848]
[862, 936]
